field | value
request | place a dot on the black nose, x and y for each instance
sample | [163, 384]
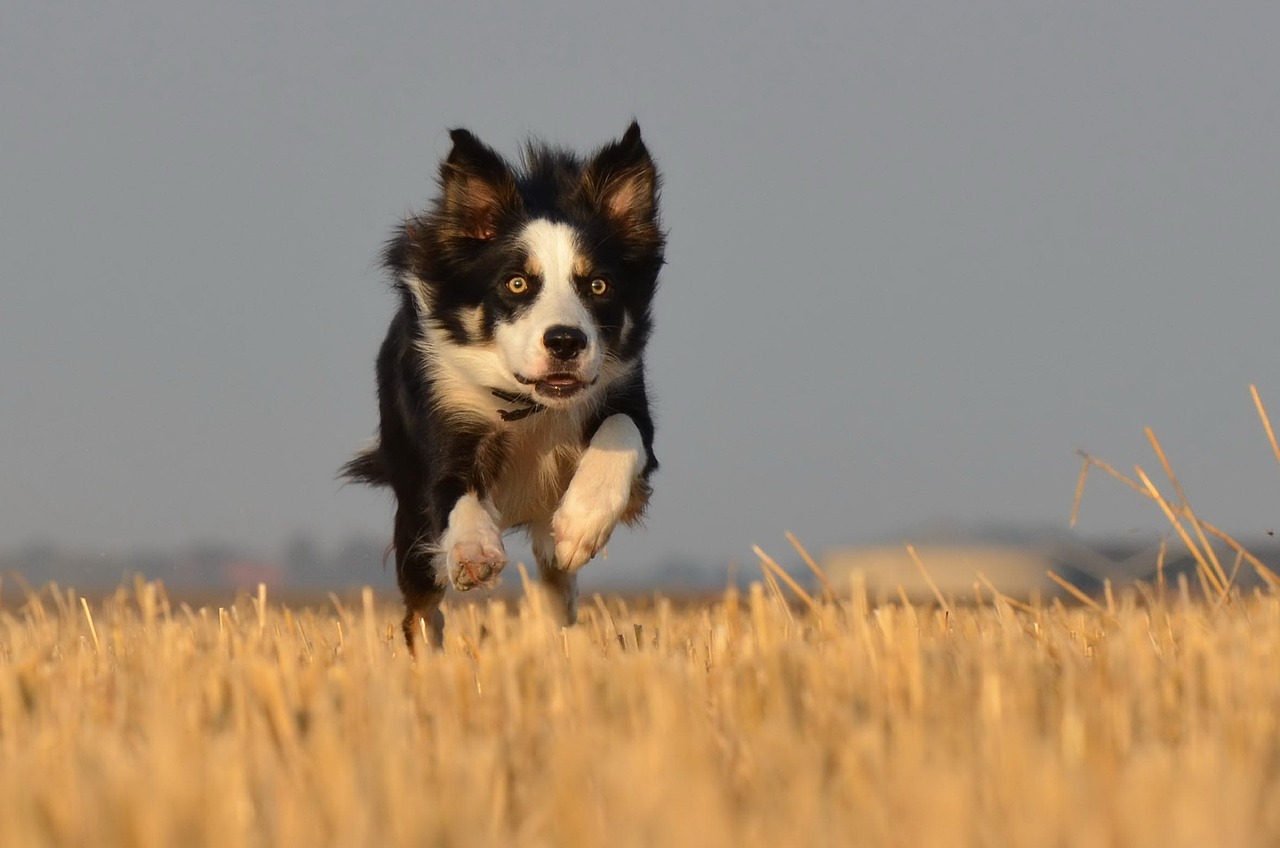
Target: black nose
[564, 342]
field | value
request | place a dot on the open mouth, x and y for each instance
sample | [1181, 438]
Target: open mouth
[555, 385]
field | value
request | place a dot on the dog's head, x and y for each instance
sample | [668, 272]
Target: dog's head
[538, 280]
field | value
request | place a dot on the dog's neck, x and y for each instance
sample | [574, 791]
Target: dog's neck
[527, 405]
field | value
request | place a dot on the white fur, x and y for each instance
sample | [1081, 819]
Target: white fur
[599, 492]
[472, 543]
[553, 249]
[464, 373]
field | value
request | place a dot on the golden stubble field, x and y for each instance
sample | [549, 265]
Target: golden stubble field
[775, 717]
[742, 721]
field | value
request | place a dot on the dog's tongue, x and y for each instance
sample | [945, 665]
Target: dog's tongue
[561, 380]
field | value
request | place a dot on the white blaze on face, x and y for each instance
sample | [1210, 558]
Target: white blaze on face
[553, 257]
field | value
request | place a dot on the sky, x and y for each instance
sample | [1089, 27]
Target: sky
[919, 253]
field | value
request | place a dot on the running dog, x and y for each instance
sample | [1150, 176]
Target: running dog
[511, 384]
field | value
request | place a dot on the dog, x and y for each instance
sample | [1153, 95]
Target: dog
[511, 383]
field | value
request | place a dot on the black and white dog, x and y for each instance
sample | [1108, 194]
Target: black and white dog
[511, 384]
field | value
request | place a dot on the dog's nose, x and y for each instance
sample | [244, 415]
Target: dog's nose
[564, 342]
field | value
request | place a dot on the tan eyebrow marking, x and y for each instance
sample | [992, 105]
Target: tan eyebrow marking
[581, 267]
[533, 266]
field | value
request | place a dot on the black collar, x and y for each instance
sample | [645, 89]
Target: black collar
[529, 405]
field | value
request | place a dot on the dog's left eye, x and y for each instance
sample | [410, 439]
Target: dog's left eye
[599, 287]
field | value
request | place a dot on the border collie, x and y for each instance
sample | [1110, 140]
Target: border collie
[511, 384]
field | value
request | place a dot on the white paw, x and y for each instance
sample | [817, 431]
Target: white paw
[475, 562]
[582, 525]
[472, 546]
[598, 493]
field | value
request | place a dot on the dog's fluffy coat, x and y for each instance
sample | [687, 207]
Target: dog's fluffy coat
[511, 383]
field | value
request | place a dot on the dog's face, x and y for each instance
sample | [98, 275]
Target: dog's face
[557, 314]
[537, 281]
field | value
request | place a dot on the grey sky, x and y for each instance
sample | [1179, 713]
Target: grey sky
[918, 253]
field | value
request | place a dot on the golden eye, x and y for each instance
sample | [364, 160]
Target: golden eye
[517, 285]
[599, 287]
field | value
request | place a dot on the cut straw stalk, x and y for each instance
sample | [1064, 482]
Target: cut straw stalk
[827, 588]
[1075, 504]
[93, 631]
[1219, 577]
[261, 603]
[1219, 586]
[1001, 596]
[767, 563]
[1268, 576]
[775, 590]
[924, 572]
[1075, 591]
[1235, 571]
[1266, 420]
[1186, 508]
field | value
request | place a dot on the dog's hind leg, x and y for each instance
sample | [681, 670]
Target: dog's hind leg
[560, 585]
[416, 575]
[424, 608]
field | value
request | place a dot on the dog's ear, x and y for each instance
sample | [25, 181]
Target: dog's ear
[477, 187]
[622, 182]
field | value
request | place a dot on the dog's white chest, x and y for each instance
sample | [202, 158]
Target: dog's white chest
[538, 467]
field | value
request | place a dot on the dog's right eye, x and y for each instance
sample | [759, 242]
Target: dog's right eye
[517, 285]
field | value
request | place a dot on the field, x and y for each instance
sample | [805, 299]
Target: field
[749, 720]
[777, 716]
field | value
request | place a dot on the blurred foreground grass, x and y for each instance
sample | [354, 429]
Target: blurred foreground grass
[743, 721]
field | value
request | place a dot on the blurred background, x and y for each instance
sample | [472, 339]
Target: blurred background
[919, 253]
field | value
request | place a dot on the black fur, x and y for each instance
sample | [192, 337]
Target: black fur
[451, 262]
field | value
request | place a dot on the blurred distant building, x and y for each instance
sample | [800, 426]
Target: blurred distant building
[1015, 571]
[1016, 561]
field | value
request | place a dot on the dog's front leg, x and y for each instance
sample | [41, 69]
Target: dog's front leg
[599, 493]
[471, 552]
[467, 554]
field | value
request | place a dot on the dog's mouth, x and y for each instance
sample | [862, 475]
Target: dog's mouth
[560, 386]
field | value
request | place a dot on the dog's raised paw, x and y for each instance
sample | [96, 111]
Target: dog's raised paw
[598, 493]
[580, 530]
